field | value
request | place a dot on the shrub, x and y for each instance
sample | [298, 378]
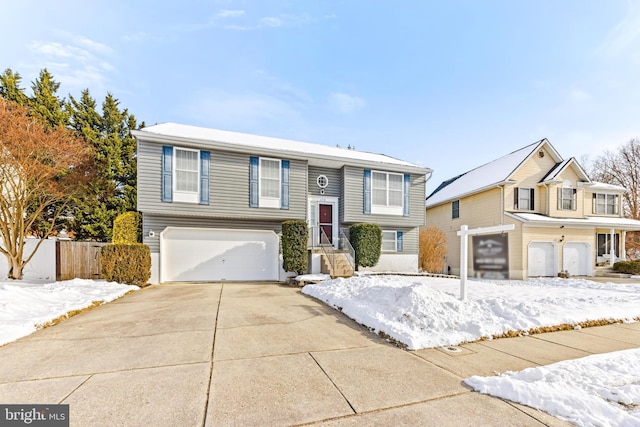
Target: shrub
[433, 249]
[127, 228]
[295, 235]
[627, 267]
[366, 240]
[126, 263]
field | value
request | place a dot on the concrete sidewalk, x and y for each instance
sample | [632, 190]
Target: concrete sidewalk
[264, 354]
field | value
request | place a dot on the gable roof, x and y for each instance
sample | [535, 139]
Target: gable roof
[561, 167]
[488, 175]
[315, 154]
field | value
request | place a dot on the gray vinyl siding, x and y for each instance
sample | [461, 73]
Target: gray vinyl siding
[157, 223]
[334, 176]
[353, 201]
[229, 188]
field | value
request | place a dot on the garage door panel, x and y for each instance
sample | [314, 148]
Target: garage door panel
[576, 258]
[541, 259]
[214, 255]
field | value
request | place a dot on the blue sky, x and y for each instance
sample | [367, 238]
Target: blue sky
[449, 85]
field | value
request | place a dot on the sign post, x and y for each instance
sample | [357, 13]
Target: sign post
[464, 234]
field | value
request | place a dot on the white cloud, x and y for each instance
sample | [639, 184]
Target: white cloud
[76, 61]
[579, 95]
[271, 21]
[345, 104]
[622, 38]
[225, 13]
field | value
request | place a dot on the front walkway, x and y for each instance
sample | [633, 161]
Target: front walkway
[264, 354]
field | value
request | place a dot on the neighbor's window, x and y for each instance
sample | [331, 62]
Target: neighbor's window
[270, 182]
[389, 241]
[605, 204]
[567, 199]
[604, 244]
[523, 199]
[187, 171]
[455, 209]
[386, 193]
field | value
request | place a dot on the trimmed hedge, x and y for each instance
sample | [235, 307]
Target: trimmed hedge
[126, 263]
[627, 267]
[366, 240]
[295, 236]
[127, 228]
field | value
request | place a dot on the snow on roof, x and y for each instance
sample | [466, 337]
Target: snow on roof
[591, 221]
[485, 176]
[227, 138]
[601, 186]
[556, 170]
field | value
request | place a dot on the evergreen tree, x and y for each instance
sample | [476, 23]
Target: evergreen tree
[45, 104]
[114, 192]
[10, 88]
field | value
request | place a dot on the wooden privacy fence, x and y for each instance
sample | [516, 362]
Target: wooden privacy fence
[78, 260]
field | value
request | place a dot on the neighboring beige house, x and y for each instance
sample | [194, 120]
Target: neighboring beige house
[563, 220]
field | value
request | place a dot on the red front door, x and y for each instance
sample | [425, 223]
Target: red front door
[326, 222]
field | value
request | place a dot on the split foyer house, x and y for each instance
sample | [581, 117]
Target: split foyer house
[213, 202]
[562, 219]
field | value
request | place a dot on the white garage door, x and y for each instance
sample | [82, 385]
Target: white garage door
[207, 255]
[542, 260]
[576, 258]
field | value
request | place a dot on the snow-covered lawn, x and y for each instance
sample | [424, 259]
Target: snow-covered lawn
[421, 312]
[599, 390]
[25, 306]
[426, 312]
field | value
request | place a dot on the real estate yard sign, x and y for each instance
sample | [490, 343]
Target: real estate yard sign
[491, 256]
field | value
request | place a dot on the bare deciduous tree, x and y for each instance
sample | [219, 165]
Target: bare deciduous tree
[622, 167]
[41, 170]
[433, 249]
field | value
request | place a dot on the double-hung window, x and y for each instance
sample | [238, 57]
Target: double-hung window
[567, 198]
[523, 199]
[270, 182]
[187, 172]
[185, 175]
[455, 209]
[391, 241]
[387, 193]
[605, 204]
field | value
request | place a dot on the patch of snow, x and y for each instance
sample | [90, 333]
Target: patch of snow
[425, 312]
[24, 305]
[317, 277]
[598, 390]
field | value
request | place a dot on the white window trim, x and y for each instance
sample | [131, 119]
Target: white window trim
[616, 199]
[269, 202]
[185, 196]
[386, 209]
[395, 240]
[524, 191]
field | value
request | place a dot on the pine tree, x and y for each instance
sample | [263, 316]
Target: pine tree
[10, 88]
[45, 104]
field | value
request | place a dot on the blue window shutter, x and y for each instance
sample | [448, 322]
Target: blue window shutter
[204, 177]
[407, 194]
[253, 182]
[367, 191]
[167, 173]
[399, 241]
[284, 185]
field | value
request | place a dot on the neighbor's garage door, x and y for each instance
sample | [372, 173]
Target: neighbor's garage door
[542, 260]
[576, 258]
[203, 255]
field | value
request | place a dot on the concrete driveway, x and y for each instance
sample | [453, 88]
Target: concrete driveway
[264, 354]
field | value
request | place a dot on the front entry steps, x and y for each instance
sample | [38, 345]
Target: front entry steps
[608, 272]
[341, 267]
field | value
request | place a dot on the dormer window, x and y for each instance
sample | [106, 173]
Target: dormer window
[567, 199]
[523, 199]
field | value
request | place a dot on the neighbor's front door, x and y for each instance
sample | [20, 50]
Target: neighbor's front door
[326, 221]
